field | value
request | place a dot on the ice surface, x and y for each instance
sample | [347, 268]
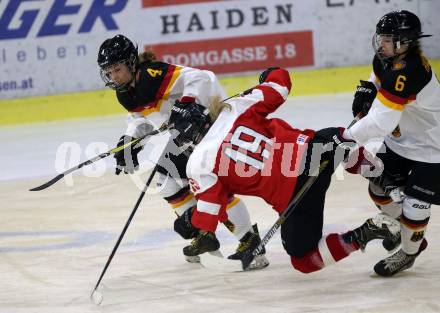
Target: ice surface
[54, 243]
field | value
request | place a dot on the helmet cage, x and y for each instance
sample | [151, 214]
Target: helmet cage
[131, 64]
[397, 45]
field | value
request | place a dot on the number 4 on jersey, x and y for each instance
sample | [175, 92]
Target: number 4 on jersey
[154, 73]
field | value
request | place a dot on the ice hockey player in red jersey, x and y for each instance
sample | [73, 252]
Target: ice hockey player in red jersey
[147, 89]
[404, 96]
[238, 150]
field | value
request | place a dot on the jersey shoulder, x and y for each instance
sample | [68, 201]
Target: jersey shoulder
[405, 79]
[152, 73]
[150, 78]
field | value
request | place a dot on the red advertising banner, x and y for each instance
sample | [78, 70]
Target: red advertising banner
[238, 54]
[160, 3]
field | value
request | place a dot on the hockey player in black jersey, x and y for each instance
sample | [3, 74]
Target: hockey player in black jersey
[148, 89]
[401, 103]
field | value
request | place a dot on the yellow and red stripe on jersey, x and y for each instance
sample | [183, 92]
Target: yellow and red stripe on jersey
[392, 101]
[182, 200]
[232, 202]
[163, 93]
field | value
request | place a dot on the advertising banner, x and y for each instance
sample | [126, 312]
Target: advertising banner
[50, 46]
[241, 53]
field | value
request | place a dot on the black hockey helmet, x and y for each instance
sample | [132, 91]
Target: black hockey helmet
[117, 50]
[403, 26]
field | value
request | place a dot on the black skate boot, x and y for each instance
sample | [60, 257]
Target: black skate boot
[398, 262]
[381, 226]
[248, 243]
[204, 242]
[391, 244]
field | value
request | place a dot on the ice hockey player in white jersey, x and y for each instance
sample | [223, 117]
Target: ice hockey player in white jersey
[147, 89]
[401, 103]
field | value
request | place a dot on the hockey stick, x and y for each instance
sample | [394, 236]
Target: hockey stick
[114, 150]
[247, 91]
[228, 265]
[95, 296]
[98, 157]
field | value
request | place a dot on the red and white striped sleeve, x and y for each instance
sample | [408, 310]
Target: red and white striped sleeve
[211, 204]
[266, 97]
[274, 90]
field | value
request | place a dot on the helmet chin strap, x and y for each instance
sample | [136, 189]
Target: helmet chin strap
[397, 47]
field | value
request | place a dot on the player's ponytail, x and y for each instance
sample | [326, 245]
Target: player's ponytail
[147, 56]
[216, 107]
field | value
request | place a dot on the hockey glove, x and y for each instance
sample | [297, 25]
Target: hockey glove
[181, 112]
[266, 73]
[334, 135]
[126, 159]
[363, 98]
[189, 119]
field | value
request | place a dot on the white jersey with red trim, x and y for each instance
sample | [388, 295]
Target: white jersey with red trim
[157, 86]
[406, 110]
[246, 153]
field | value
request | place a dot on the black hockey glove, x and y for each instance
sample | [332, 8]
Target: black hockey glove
[183, 226]
[334, 135]
[388, 181]
[363, 98]
[266, 73]
[189, 119]
[126, 159]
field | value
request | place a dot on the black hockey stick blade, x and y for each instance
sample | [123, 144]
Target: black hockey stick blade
[97, 158]
[49, 183]
[70, 170]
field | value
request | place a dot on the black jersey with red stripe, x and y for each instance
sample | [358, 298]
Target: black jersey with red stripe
[400, 83]
[151, 81]
[406, 110]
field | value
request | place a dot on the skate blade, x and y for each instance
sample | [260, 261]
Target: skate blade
[220, 264]
[196, 258]
[259, 262]
[230, 266]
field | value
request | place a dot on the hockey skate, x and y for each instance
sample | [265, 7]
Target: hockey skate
[398, 262]
[381, 226]
[204, 242]
[248, 243]
[391, 244]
